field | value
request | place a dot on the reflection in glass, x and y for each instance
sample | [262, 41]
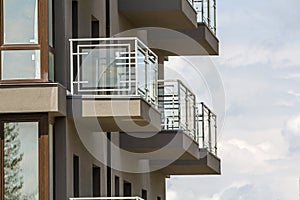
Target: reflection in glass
[104, 69]
[21, 160]
[20, 16]
[141, 65]
[18, 64]
[51, 66]
[50, 22]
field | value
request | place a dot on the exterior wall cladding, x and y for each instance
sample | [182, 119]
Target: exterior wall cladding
[99, 137]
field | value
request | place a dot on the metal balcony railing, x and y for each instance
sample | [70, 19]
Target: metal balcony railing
[106, 198]
[207, 125]
[177, 105]
[207, 12]
[180, 111]
[113, 67]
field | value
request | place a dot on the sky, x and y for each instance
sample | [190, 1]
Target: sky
[259, 143]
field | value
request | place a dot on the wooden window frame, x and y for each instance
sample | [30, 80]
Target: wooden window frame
[43, 43]
[43, 149]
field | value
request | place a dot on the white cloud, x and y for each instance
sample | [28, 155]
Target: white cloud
[292, 133]
[256, 53]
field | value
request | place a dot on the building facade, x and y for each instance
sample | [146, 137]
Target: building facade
[85, 110]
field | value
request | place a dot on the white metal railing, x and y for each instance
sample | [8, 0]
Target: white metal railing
[178, 107]
[207, 125]
[180, 111]
[113, 67]
[106, 198]
[207, 13]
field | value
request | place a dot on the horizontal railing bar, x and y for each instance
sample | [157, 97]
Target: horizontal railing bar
[83, 53]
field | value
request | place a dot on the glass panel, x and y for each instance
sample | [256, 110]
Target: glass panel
[190, 114]
[51, 66]
[104, 69]
[21, 160]
[151, 75]
[50, 22]
[20, 16]
[20, 65]
[183, 108]
[141, 68]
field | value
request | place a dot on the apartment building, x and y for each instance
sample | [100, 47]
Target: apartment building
[85, 110]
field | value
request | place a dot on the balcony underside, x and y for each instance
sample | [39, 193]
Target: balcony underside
[161, 145]
[171, 14]
[116, 114]
[33, 98]
[208, 164]
[182, 42]
[203, 36]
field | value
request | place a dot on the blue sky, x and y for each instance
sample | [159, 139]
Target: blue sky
[260, 141]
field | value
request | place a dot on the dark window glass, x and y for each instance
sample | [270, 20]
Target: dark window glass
[76, 176]
[96, 181]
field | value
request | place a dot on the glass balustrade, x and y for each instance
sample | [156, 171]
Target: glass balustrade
[113, 67]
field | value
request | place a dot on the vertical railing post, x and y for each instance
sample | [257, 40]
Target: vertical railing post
[71, 68]
[179, 103]
[216, 134]
[136, 67]
[187, 110]
[215, 16]
[156, 82]
[202, 10]
[146, 75]
[195, 134]
[197, 123]
[203, 125]
[209, 131]
[129, 70]
[78, 67]
[208, 13]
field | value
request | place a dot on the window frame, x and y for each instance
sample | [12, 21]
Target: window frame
[43, 44]
[43, 149]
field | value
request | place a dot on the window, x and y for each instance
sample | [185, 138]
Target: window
[25, 40]
[144, 194]
[20, 17]
[22, 139]
[21, 160]
[76, 176]
[20, 64]
[96, 181]
[127, 189]
[117, 186]
[51, 66]
[74, 19]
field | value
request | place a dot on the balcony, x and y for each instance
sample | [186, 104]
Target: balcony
[207, 13]
[198, 39]
[173, 14]
[115, 80]
[187, 143]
